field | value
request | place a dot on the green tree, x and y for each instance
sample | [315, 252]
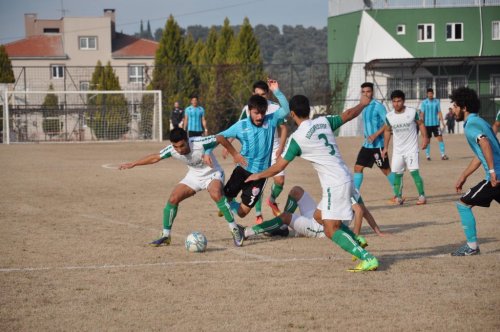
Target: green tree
[109, 114]
[6, 73]
[51, 124]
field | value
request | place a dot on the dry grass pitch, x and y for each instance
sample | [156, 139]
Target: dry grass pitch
[74, 255]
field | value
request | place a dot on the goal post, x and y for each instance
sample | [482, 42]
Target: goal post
[81, 116]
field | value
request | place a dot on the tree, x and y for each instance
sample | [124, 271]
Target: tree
[51, 124]
[109, 114]
[6, 73]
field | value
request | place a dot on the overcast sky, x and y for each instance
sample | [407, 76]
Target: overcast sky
[129, 13]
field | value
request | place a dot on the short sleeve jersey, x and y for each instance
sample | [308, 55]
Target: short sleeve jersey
[271, 108]
[404, 130]
[314, 141]
[431, 109]
[373, 119]
[194, 115]
[194, 161]
[476, 127]
[257, 142]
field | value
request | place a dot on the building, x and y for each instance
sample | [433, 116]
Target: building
[412, 45]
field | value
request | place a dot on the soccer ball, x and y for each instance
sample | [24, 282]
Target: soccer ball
[196, 242]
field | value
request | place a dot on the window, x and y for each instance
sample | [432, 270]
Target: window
[423, 84]
[425, 32]
[454, 31]
[57, 71]
[495, 85]
[401, 29]
[50, 30]
[84, 85]
[88, 43]
[136, 73]
[442, 91]
[404, 84]
[495, 30]
[457, 82]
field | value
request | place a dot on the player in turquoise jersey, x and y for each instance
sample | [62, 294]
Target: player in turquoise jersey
[371, 152]
[204, 173]
[486, 148]
[256, 135]
[314, 140]
[496, 124]
[431, 115]
[194, 119]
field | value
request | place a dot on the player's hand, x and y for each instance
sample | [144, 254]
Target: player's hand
[225, 153]
[425, 142]
[239, 159]
[208, 160]
[383, 234]
[279, 151]
[384, 153]
[126, 166]
[493, 180]
[371, 138]
[364, 100]
[459, 184]
[253, 177]
[273, 84]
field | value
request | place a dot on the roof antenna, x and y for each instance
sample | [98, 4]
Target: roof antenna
[62, 10]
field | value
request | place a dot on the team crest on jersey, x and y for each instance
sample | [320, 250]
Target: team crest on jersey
[255, 191]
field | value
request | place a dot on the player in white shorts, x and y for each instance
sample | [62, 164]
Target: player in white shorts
[261, 88]
[402, 124]
[204, 173]
[314, 140]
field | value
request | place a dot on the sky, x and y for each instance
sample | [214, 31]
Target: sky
[129, 13]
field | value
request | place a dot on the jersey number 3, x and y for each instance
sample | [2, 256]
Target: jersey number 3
[332, 149]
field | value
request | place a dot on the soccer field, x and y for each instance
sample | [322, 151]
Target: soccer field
[74, 253]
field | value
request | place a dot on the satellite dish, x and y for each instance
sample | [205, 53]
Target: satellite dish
[368, 3]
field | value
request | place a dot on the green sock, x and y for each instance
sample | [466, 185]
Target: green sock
[347, 230]
[169, 213]
[276, 190]
[258, 206]
[268, 226]
[224, 207]
[419, 183]
[397, 184]
[346, 242]
[291, 205]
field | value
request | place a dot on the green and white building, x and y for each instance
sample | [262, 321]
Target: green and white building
[413, 45]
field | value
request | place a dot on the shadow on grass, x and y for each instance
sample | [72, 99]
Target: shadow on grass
[412, 202]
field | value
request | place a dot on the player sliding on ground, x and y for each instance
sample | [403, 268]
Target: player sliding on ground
[196, 154]
[314, 140]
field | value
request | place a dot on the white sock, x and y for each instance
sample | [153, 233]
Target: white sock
[472, 245]
[232, 225]
[166, 232]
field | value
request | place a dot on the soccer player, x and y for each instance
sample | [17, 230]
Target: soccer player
[486, 148]
[262, 89]
[256, 135]
[496, 124]
[402, 124]
[432, 117]
[194, 119]
[314, 140]
[196, 154]
[370, 153]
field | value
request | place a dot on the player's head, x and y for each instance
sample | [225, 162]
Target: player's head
[398, 100]
[194, 100]
[430, 93]
[179, 139]
[176, 104]
[257, 107]
[367, 89]
[299, 107]
[260, 88]
[464, 100]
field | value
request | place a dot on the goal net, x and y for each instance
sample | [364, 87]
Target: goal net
[81, 116]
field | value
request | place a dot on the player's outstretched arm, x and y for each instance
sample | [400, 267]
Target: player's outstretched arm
[473, 165]
[387, 140]
[148, 160]
[270, 172]
[237, 157]
[351, 113]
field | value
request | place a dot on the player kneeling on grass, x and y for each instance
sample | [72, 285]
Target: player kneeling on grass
[204, 173]
[314, 140]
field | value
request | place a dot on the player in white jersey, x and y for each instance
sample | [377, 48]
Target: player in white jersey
[261, 88]
[314, 140]
[402, 124]
[196, 154]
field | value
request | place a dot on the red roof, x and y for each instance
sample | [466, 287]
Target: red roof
[125, 46]
[36, 46]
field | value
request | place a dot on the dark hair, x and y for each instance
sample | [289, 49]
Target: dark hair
[367, 85]
[398, 94]
[466, 97]
[177, 135]
[430, 90]
[193, 96]
[299, 104]
[257, 102]
[260, 85]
